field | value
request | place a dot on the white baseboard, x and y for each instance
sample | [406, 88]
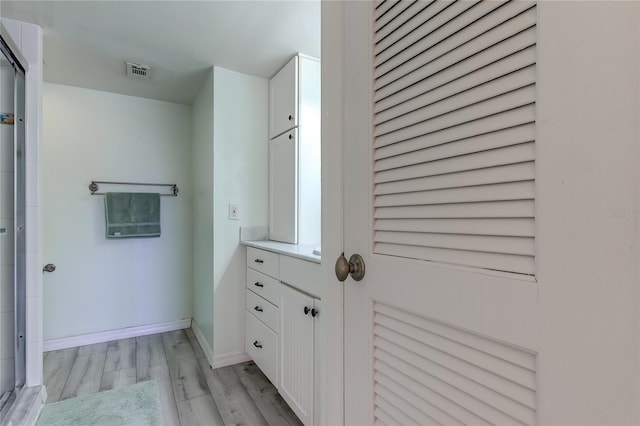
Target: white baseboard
[107, 336]
[208, 352]
[229, 359]
[217, 361]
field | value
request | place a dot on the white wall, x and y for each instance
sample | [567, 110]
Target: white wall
[101, 284]
[230, 160]
[6, 240]
[202, 130]
[240, 161]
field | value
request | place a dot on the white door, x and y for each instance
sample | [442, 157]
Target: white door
[467, 313]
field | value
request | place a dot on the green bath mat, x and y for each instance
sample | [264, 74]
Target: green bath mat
[137, 405]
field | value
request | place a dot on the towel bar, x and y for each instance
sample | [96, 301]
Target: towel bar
[93, 186]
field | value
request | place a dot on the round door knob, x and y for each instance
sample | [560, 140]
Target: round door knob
[49, 267]
[290, 117]
[354, 267]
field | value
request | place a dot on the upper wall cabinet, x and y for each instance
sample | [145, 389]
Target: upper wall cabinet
[294, 163]
[283, 99]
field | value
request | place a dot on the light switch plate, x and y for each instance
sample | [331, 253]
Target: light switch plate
[234, 212]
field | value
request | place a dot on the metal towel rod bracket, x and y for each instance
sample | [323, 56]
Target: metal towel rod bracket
[94, 187]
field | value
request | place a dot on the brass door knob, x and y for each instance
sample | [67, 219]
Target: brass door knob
[353, 267]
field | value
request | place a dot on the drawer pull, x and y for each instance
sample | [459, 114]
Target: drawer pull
[257, 344]
[306, 310]
[258, 284]
[258, 308]
[259, 261]
[314, 313]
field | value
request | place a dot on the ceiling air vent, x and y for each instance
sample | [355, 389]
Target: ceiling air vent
[138, 71]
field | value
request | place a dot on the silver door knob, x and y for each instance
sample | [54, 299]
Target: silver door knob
[49, 267]
[354, 267]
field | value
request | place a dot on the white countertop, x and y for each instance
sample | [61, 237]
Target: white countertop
[301, 251]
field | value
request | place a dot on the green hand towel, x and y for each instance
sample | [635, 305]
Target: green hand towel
[132, 215]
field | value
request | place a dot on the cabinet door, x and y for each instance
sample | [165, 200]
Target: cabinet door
[297, 352]
[283, 96]
[283, 188]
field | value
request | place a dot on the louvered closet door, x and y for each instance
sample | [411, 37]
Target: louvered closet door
[439, 200]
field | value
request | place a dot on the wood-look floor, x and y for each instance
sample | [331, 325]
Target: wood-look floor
[191, 393]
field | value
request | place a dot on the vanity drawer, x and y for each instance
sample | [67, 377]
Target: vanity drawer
[263, 310]
[264, 261]
[262, 346]
[264, 286]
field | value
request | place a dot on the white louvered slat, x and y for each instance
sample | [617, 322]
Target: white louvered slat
[481, 160]
[399, 417]
[432, 30]
[398, 105]
[498, 192]
[455, 34]
[506, 353]
[501, 138]
[389, 84]
[451, 102]
[480, 243]
[503, 403]
[511, 53]
[497, 383]
[490, 414]
[383, 7]
[509, 173]
[489, 363]
[382, 418]
[415, 401]
[496, 209]
[490, 261]
[483, 126]
[513, 227]
[402, 28]
[401, 11]
[406, 129]
[417, 416]
[454, 129]
[387, 374]
[455, 371]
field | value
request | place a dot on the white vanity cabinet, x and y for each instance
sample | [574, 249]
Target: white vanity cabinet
[294, 152]
[282, 310]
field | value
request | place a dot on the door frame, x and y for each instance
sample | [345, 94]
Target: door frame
[18, 63]
[332, 122]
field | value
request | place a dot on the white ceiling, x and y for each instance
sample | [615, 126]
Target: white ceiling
[86, 43]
